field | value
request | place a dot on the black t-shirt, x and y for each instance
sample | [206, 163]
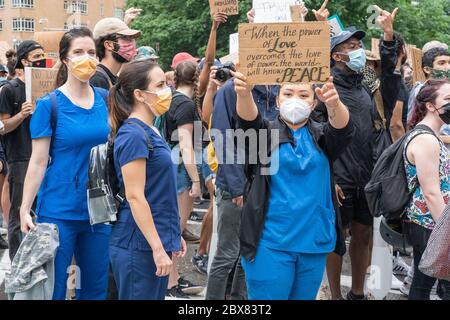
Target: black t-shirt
[102, 78]
[17, 142]
[403, 96]
[182, 111]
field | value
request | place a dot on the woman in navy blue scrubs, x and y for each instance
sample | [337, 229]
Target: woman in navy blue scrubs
[147, 234]
[82, 123]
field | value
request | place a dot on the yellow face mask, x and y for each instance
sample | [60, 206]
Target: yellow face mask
[83, 67]
[162, 103]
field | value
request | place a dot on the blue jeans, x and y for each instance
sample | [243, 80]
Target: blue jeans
[90, 246]
[280, 275]
[184, 182]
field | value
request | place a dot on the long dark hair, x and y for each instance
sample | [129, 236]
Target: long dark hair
[134, 75]
[64, 47]
[187, 73]
[428, 94]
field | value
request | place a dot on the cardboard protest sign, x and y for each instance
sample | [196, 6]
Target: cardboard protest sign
[234, 57]
[234, 43]
[416, 59]
[228, 7]
[50, 41]
[274, 53]
[335, 25]
[296, 14]
[273, 10]
[39, 82]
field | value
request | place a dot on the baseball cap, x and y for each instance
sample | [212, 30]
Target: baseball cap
[216, 63]
[23, 50]
[3, 69]
[145, 53]
[344, 36]
[108, 26]
[182, 57]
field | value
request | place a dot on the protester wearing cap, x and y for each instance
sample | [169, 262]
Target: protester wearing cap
[182, 57]
[15, 113]
[116, 45]
[354, 167]
[144, 53]
[3, 73]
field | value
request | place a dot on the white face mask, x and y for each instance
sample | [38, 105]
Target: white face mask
[295, 111]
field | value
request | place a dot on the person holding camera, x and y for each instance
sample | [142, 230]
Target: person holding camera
[230, 182]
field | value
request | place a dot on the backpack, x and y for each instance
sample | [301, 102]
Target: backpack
[387, 192]
[104, 193]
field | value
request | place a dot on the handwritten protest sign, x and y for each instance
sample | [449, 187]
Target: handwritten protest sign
[416, 59]
[234, 43]
[296, 13]
[39, 82]
[273, 10]
[285, 53]
[50, 41]
[335, 25]
[228, 7]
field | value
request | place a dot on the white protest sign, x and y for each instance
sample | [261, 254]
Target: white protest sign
[335, 25]
[234, 43]
[274, 10]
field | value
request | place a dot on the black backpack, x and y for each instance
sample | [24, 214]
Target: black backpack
[387, 192]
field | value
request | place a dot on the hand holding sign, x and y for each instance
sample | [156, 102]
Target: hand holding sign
[131, 15]
[322, 14]
[241, 86]
[251, 16]
[218, 18]
[27, 110]
[386, 20]
[328, 94]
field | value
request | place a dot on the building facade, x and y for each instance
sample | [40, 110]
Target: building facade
[19, 19]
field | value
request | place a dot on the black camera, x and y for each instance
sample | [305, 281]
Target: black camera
[224, 72]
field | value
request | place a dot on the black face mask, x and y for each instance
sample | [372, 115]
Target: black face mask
[446, 115]
[39, 63]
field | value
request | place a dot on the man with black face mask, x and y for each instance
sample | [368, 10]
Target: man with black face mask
[15, 113]
[116, 45]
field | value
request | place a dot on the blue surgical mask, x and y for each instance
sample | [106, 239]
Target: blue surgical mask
[3, 79]
[357, 60]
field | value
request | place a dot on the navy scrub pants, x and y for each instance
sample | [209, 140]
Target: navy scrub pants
[134, 271]
[90, 245]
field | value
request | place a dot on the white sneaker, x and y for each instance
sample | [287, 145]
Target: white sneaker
[404, 288]
[400, 267]
[396, 284]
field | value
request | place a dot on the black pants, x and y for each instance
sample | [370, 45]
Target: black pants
[422, 284]
[17, 172]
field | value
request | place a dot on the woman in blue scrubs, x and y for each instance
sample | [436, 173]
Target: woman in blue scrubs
[288, 221]
[147, 234]
[81, 123]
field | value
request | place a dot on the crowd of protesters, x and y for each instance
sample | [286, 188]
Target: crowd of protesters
[281, 224]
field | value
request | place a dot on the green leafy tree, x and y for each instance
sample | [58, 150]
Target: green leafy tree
[184, 25]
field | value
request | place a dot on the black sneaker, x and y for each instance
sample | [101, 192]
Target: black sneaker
[200, 263]
[196, 216]
[188, 287]
[352, 296]
[176, 292]
[3, 244]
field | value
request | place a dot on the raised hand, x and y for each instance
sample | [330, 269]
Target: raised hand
[328, 94]
[218, 19]
[386, 19]
[131, 15]
[322, 14]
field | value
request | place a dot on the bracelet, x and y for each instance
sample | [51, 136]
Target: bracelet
[196, 181]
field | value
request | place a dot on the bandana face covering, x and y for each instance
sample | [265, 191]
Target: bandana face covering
[371, 79]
